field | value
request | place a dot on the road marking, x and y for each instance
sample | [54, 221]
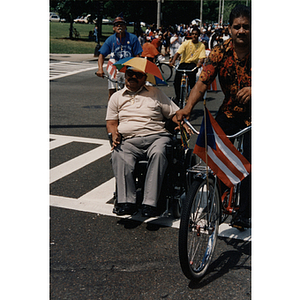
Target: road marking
[67, 68]
[80, 161]
[102, 193]
[60, 140]
[225, 230]
[96, 200]
[98, 204]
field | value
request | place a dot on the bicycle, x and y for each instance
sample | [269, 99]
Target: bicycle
[165, 69]
[203, 212]
[184, 86]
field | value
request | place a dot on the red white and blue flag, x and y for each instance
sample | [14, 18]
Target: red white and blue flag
[223, 158]
[111, 69]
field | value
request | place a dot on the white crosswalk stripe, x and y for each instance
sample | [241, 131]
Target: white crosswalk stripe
[96, 200]
[67, 68]
[79, 161]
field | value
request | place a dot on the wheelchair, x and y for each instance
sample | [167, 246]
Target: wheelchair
[176, 180]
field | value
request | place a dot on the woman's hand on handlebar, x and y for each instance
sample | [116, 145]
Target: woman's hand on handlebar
[182, 113]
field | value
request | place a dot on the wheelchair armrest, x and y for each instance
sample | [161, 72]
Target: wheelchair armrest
[170, 126]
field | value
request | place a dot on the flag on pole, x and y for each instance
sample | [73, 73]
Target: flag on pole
[223, 158]
[111, 69]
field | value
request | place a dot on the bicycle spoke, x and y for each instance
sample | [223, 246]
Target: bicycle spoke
[201, 231]
[199, 226]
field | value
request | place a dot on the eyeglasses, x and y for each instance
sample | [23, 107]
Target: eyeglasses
[119, 24]
[138, 75]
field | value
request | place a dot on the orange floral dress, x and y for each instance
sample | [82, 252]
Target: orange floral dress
[234, 74]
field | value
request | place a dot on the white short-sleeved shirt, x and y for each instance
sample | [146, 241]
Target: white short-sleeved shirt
[141, 113]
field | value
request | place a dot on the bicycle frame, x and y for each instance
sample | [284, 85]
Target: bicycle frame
[230, 204]
[230, 199]
[184, 84]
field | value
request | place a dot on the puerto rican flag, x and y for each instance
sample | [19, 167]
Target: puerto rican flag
[223, 158]
[111, 69]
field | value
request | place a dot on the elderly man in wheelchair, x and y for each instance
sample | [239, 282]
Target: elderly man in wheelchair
[135, 120]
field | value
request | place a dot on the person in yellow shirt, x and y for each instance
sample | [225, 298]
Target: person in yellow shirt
[192, 54]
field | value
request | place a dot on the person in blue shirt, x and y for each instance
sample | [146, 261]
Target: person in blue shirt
[120, 45]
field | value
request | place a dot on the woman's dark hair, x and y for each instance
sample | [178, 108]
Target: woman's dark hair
[240, 11]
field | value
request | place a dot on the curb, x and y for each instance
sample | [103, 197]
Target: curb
[73, 57]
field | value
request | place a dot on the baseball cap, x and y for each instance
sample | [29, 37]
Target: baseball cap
[119, 20]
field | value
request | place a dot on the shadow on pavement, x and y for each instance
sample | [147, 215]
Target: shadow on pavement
[198, 112]
[228, 260]
[151, 225]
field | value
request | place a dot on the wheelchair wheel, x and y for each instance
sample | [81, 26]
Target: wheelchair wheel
[176, 208]
[198, 230]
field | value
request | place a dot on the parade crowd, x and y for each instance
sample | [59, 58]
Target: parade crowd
[168, 40]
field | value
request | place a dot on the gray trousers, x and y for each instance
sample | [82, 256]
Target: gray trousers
[124, 157]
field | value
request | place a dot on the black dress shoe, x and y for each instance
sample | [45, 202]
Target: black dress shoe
[149, 211]
[126, 209]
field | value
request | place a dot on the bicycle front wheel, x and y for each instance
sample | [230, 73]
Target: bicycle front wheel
[199, 227]
[166, 71]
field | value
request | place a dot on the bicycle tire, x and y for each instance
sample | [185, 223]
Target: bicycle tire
[166, 71]
[199, 228]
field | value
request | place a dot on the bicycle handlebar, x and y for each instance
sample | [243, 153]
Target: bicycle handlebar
[114, 81]
[106, 76]
[191, 126]
[186, 71]
[241, 132]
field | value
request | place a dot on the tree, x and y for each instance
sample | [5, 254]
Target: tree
[173, 11]
[70, 9]
[228, 8]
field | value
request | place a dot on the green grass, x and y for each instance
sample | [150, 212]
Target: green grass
[60, 42]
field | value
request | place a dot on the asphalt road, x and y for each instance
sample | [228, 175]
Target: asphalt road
[94, 255]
